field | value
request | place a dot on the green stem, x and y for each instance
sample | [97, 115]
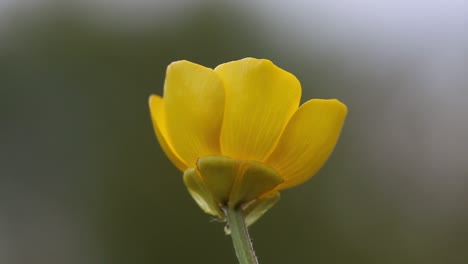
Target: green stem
[240, 236]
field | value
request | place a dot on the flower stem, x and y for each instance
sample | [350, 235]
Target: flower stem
[240, 236]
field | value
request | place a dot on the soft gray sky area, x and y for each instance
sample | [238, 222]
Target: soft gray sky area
[432, 30]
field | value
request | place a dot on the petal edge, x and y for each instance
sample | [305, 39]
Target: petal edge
[194, 104]
[260, 99]
[156, 105]
[308, 140]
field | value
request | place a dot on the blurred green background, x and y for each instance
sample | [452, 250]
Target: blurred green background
[83, 179]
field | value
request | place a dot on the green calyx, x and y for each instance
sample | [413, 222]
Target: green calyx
[218, 183]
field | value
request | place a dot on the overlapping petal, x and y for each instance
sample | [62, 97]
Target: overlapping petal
[238, 134]
[158, 116]
[260, 99]
[194, 105]
[308, 140]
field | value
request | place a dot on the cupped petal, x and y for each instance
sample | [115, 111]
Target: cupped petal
[158, 117]
[194, 105]
[308, 140]
[260, 99]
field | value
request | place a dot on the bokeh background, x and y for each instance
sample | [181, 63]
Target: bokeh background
[83, 179]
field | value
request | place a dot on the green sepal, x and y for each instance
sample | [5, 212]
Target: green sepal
[201, 194]
[220, 182]
[253, 180]
[218, 173]
[255, 209]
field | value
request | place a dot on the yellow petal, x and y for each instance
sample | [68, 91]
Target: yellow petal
[260, 99]
[158, 116]
[308, 140]
[194, 104]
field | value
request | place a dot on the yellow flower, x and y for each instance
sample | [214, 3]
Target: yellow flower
[238, 133]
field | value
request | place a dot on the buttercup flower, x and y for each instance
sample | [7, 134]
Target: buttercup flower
[238, 133]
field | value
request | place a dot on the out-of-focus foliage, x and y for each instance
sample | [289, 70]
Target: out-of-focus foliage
[83, 180]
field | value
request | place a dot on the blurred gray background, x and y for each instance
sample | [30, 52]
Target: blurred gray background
[83, 179]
